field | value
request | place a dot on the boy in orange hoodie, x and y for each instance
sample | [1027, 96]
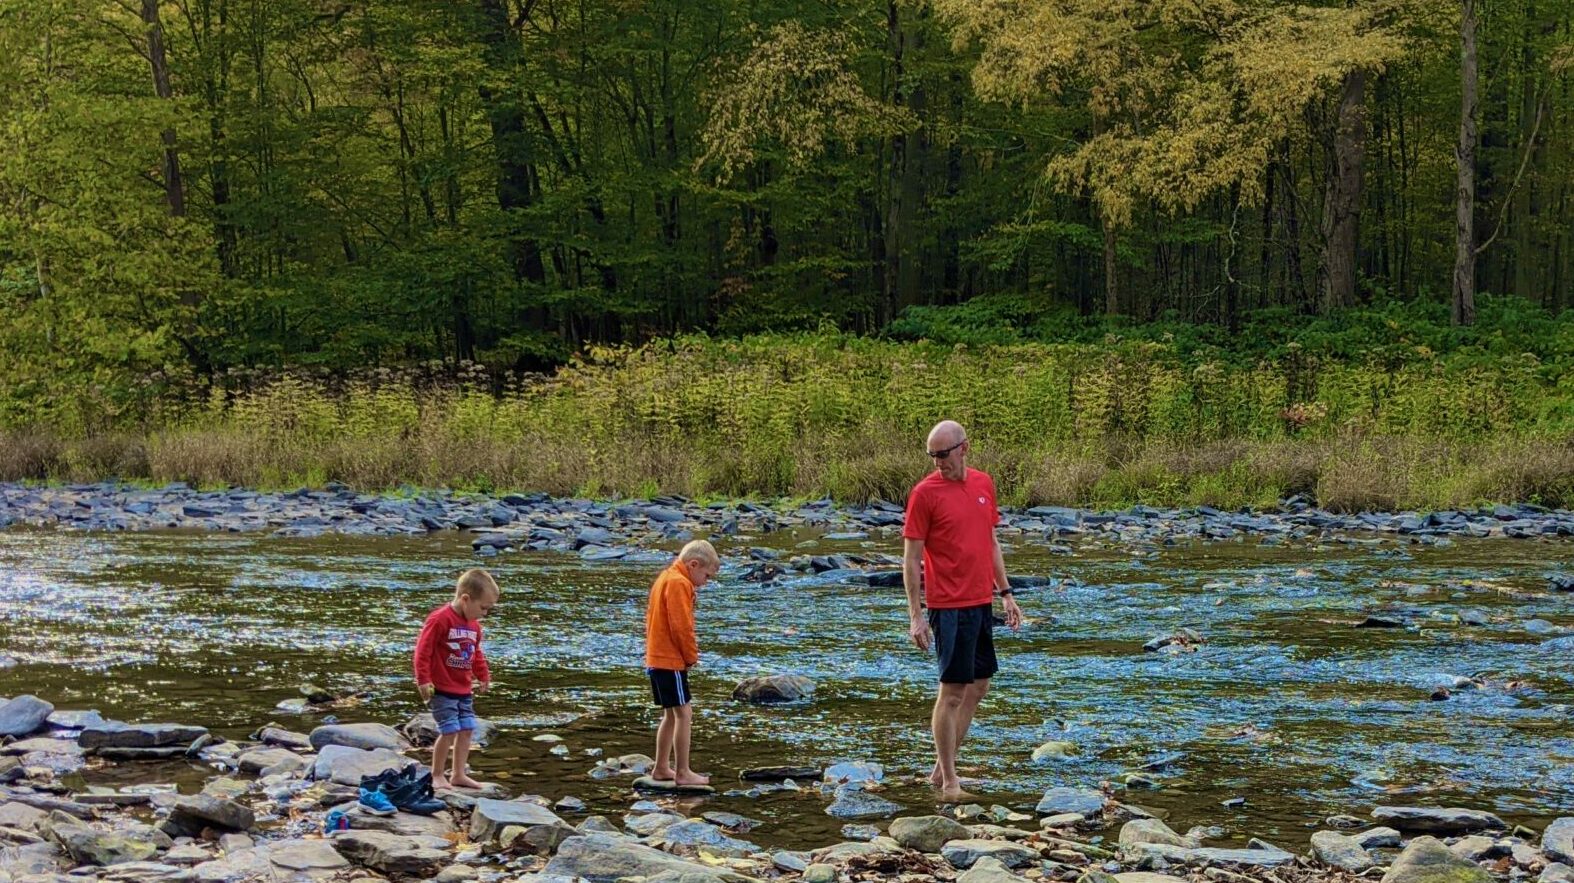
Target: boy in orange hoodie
[671, 649]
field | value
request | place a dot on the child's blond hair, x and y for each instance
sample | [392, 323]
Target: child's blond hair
[699, 550]
[477, 583]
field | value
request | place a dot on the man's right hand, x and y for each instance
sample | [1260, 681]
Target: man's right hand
[919, 632]
[426, 691]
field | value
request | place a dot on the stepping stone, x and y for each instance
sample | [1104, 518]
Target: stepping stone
[668, 786]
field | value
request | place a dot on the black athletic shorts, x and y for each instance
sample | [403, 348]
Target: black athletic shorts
[668, 688]
[964, 643]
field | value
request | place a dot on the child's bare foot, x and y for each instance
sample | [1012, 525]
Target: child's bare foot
[463, 781]
[441, 784]
[662, 775]
[691, 778]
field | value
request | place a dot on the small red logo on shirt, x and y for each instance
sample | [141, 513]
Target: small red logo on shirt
[981, 501]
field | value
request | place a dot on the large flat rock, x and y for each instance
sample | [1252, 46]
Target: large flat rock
[346, 765]
[490, 817]
[1558, 841]
[391, 854]
[363, 736]
[605, 858]
[1435, 820]
[115, 734]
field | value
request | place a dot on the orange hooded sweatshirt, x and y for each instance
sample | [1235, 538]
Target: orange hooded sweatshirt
[669, 621]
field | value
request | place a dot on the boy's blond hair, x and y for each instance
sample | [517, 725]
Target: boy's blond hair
[477, 583]
[699, 550]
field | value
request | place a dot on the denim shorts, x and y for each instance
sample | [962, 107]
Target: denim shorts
[453, 713]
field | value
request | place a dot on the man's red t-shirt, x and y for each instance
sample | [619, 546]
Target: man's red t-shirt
[956, 520]
[448, 653]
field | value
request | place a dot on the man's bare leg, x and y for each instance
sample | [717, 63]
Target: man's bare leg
[945, 722]
[972, 695]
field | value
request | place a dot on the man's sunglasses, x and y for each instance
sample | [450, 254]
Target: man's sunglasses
[941, 455]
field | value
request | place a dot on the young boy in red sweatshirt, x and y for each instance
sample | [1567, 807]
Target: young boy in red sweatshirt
[450, 668]
[671, 649]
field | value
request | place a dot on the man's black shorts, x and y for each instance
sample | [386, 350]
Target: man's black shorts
[668, 688]
[964, 643]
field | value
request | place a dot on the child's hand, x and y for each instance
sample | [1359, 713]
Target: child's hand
[426, 691]
[482, 686]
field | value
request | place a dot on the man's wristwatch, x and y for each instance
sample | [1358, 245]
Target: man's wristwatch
[1004, 593]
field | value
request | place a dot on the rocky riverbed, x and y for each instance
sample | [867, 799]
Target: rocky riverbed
[263, 815]
[1277, 686]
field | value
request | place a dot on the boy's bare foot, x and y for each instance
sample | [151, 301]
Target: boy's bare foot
[439, 784]
[691, 778]
[463, 781]
[662, 775]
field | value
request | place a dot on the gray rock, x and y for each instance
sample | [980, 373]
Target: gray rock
[1377, 838]
[190, 854]
[1339, 851]
[1557, 872]
[703, 834]
[650, 823]
[927, 833]
[405, 824]
[774, 688]
[988, 870]
[819, 873]
[1065, 800]
[849, 772]
[1431, 820]
[390, 853]
[115, 734]
[535, 839]
[1427, 860]
[21, 816]
[198, 811]
[963, 853]
[1153, 831]
[148, 872]
[306, 856]
[277, 759]
[363, 736]
[789, 861]
[1259, 858]
[23, 715]
[604, 858]
[864, 833]
[1558, 841]
[32, 858]
[731, 821]
[1476, 847]
[456, 874]
[346, 765]
[91, 846]
[855, 803]
[282, 738]
[491, 816]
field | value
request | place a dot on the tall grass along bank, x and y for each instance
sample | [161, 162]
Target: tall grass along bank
[1091, 425]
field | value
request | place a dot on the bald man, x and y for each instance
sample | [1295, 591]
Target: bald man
[950, 529]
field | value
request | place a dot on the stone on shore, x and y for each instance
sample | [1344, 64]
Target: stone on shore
[1427, 860]
[92, 846]
[266, 761]
[1153, 831]
[927, 833]
[23, 715]
[988, 869]
[1340, 851]
[606, 858]
[390, 853]
[346, 765]
[490, 817]
[1067, 800]
[1558, 841]
[964, 853]
[363, 736]
[195, 812]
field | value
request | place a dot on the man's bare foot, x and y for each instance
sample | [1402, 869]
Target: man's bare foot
[662, 775]
[463, 781]
[935, 778]
[691, 778]
[955, 794]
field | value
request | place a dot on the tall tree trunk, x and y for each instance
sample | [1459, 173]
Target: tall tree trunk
[1464, 311]
[894, 210]
[1342, 196]
[509, 139]
[1111, 281]
[174, 190]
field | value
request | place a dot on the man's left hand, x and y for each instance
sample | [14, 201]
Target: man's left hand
[1013, 612]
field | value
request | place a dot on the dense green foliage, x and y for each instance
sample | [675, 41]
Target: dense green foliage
[269, 241]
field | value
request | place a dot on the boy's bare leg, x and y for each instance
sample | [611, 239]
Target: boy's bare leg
[666, 732]
[680, 746]
[460, 777]
[440, 749]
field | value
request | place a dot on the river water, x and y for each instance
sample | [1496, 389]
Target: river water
[1287, 704]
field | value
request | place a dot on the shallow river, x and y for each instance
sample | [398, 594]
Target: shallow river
[1287, 705]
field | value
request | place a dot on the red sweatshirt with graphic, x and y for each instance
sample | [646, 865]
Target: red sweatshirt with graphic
[448, 653]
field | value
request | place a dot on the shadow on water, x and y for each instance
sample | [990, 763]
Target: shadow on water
[1288, 703]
